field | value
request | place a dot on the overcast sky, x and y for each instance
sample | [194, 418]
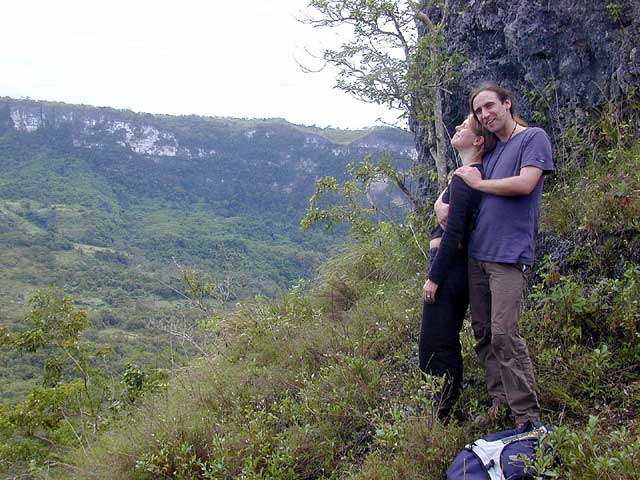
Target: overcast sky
[234, 58]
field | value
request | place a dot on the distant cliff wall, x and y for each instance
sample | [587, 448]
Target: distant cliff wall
[242, 162]
[187, 136]
[582, 52]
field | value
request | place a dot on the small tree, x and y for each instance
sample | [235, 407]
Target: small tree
[198, 320]
[430, 70]
[65, 410]
[78, 396]
[383, 62]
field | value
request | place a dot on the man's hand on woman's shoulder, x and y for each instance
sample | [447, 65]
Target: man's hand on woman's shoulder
[470, 175]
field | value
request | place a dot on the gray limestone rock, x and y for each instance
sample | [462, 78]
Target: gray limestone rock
[575, 54]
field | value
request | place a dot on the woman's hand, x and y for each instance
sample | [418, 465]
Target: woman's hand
[442, 210]
[429, 291]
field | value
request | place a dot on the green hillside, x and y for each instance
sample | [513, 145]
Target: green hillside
[111, 205]
[151, 188]
[322, 383]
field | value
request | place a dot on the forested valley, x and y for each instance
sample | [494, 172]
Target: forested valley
[115, 209]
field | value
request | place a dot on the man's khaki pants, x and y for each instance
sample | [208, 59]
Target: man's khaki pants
[496, 293]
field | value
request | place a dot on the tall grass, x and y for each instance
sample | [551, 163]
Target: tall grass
[323, 384]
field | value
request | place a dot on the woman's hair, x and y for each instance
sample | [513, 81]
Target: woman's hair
[490, 138]
[502, 94]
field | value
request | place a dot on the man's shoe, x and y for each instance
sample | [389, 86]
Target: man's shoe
[520, 423]
[496, 411]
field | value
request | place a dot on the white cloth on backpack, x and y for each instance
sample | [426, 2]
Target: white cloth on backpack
[490, 453]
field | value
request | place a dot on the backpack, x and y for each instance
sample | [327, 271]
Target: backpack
[492, 457]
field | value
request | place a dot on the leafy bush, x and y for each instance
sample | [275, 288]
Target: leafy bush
[77, 398]
[594, 452]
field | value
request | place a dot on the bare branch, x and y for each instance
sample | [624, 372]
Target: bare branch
[384, 62]
[306, 69]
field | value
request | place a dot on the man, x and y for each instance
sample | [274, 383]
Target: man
[502, 248]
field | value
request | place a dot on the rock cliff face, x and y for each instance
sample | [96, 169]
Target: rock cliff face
[187, 137]
[562, 58]
[242, 158]
[559, 55]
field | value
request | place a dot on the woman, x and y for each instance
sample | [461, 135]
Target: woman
[446, 293]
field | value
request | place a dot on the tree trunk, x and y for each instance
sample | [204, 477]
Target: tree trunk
[441, 141]
[438, 136]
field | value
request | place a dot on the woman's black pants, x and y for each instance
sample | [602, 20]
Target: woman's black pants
[439, 349]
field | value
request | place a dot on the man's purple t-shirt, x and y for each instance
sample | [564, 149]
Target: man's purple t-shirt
[506, 227]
